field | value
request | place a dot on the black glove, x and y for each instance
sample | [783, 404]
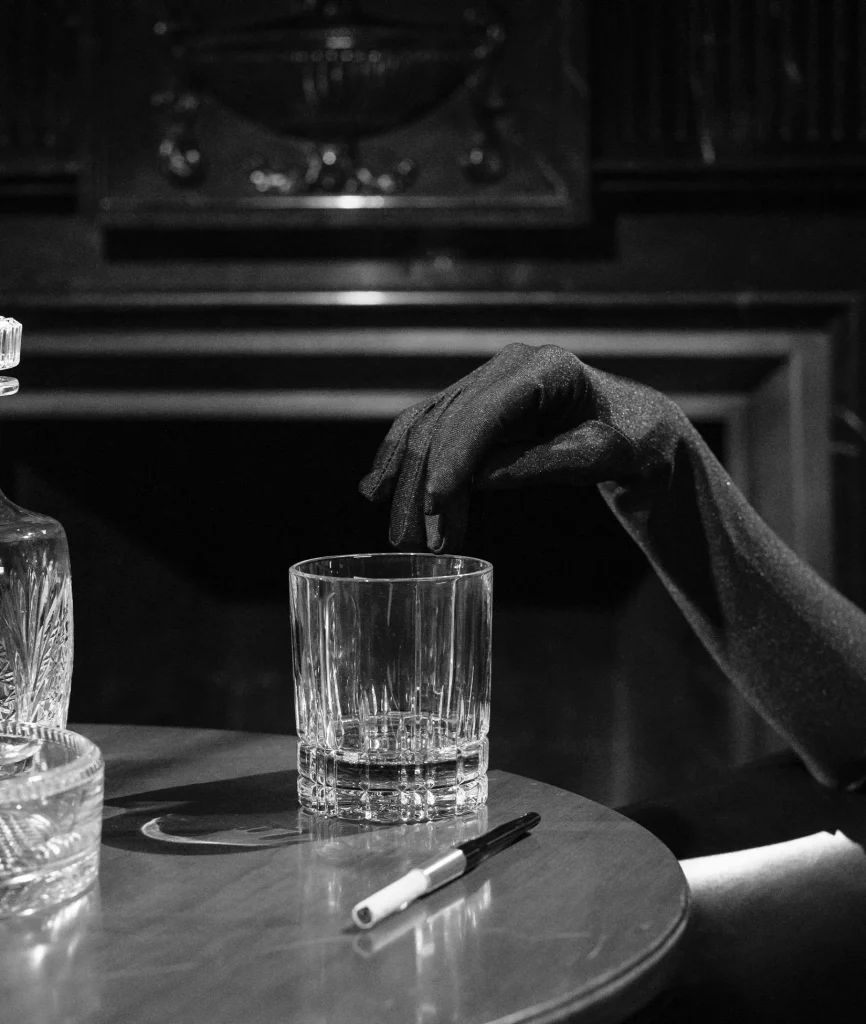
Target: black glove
[529, 415]
[792, 644]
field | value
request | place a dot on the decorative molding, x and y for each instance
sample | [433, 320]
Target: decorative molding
[120, 403]
[410, 342]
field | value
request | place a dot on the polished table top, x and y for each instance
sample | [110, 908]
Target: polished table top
[220, 901]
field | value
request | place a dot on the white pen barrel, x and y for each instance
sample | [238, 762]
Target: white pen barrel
[390, 899]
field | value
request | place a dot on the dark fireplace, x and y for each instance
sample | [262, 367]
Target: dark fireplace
[191, 468]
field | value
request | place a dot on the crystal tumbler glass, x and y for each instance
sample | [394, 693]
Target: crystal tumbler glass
[51, 784]
[392, 661]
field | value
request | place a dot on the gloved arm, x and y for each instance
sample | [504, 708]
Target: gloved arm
[792, 644]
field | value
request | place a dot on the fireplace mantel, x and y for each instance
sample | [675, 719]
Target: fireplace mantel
[776, 398]
[770, 388]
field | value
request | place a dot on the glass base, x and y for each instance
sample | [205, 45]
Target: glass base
[364, 787]
[45, 886]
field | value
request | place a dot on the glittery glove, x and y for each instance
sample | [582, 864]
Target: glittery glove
[792, 644]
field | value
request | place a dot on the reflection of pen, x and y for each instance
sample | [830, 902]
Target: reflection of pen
[438, 872]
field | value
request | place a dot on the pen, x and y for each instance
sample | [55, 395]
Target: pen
[439, 871]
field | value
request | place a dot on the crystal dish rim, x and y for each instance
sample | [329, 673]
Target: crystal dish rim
[88, 763]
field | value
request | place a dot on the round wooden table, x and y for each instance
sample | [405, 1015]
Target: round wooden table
[220, 901]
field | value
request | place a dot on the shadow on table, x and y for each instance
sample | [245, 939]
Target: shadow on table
[218, 817]
[773, 800]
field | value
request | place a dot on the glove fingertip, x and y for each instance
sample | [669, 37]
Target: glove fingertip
[374, 488]
[397, 538]
[406, 528]
[446, 530]
[435, 533]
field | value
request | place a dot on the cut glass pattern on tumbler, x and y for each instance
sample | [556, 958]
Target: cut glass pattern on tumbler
[10, 352]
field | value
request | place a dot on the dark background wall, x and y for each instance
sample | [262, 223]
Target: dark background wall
[647, 168]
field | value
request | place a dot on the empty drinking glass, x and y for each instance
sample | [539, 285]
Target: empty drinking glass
[392, 684]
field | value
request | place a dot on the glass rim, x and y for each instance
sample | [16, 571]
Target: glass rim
[50, 781]
[298, 569]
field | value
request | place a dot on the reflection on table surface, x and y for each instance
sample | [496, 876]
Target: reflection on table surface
[220, 900]
[45, 963]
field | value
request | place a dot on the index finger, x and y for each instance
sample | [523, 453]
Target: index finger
[378, 484]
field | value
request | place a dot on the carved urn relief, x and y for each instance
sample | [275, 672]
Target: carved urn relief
[327, 108]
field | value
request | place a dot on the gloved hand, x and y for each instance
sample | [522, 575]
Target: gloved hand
[793, 645]
[529, 415]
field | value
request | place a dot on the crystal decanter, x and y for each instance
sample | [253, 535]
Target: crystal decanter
[36, 639]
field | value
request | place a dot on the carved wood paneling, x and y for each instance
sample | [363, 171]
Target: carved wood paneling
[41, 100]
[752, 84]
